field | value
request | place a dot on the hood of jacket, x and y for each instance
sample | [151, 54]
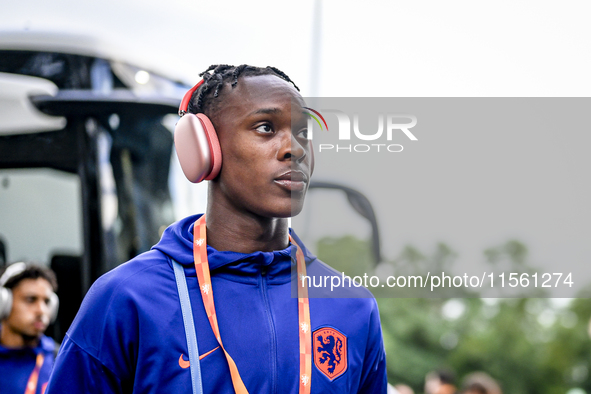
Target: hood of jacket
[177, 243]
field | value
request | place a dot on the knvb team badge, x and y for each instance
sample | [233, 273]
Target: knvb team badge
[330, 352]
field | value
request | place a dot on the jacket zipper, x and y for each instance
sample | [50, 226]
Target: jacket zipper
[272, 329]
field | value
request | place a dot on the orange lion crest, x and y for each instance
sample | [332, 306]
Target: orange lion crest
[330, 352]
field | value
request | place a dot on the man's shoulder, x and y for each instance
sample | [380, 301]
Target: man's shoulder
[133, 273]
[115, 300]
[127, 286]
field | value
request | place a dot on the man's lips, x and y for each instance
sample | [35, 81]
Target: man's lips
[292, 180]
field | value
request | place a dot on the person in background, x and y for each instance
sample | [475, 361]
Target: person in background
[404, 389]
[28, 304]
[480, 383]
[440, 381]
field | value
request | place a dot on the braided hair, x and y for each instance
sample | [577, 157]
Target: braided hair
[206, 97]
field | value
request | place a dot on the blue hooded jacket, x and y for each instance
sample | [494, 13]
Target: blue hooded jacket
[128, 336]
[16, 366]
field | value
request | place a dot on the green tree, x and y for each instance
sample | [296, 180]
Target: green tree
[530, 345]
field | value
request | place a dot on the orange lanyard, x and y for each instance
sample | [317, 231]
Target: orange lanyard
[33, 379]
[203, 276]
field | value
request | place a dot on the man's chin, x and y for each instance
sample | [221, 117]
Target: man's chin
[297, 204]
[34, 333]
[31, 339]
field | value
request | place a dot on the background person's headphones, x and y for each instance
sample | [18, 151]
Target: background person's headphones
[6, 294]
[196, 143]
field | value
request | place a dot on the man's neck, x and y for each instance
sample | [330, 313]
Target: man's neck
[245, 233]
[13, 340]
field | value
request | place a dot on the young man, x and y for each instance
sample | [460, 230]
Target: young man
[27, 304]
[129, 335]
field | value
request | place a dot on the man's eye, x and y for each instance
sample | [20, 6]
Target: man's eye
[265, 128]
[303, 133]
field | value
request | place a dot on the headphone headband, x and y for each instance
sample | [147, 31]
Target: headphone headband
[187, 98]
[12, 271]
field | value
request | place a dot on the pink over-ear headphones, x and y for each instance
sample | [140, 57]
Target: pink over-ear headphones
[196, 143]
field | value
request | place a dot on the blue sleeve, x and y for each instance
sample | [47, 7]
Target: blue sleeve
[374, 378]
[76, 371]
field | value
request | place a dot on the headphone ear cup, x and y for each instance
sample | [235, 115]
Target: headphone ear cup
[197, 147]
[214, 146]
[5, 302]
[54, 304]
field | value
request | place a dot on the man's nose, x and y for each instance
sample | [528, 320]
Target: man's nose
[292, 148]
[297, 149]
[42, 307]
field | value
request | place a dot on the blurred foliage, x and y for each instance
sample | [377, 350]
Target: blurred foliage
[529, 345]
